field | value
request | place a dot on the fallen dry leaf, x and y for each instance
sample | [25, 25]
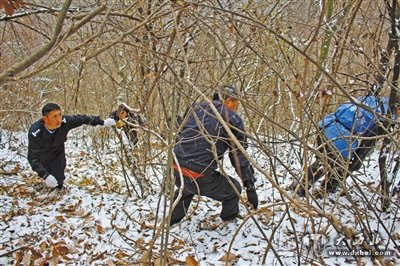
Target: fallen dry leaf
[228, 257]
[120, 255]
[140, 242]
[100, 229]
[86, 182]
[190, 261]
[18, 257]
[60, 250]
[35, 255]
[60, 218]
[31, 203]
[177, 244]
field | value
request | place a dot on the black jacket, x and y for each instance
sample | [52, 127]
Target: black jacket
[44, 147]
[194, 144]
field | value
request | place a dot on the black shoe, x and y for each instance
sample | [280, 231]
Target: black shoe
[301, 192]
[332, 187]
[230, 217]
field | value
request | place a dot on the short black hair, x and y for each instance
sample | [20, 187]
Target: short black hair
[48, 107]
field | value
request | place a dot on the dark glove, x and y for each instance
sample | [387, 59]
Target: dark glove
[252, 196]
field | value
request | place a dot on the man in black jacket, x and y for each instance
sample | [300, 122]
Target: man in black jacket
[200, 144]
[132, 117]
[46, 151]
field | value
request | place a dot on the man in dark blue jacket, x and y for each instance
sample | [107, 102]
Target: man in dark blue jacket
[46, 151]
[346, 138]
[201, 143]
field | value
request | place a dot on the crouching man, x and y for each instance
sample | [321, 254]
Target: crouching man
[46, 151]
[133, 117]
[346, 138]
[202, 134]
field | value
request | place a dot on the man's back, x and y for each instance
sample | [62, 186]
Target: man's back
[203, 130]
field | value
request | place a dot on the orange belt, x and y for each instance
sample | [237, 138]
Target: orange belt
[187, 172]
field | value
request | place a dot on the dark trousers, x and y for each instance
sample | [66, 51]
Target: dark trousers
[215, 186]
[334, 160]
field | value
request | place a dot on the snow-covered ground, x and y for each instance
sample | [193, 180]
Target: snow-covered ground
[89, 225]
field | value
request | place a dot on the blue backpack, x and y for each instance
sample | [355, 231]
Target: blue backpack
[344, 127]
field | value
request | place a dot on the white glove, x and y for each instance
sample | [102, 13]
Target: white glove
[109, 122]
[51, 181]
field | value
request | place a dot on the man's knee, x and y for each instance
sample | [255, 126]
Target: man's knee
[237, 185]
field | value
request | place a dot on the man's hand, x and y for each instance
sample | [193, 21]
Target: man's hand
[252, 196]
[109, 122]
[51, 181]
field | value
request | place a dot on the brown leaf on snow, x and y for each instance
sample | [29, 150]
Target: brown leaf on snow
[69, 208]
[121, 255]
[60, 248]
[148, 226]
[98, 256]
[265, 214]
[21, 191]
[121, 229]
[88, 218]
[140, 242]
[36, 254]
[86, 182]
[12, 213]
[99, 228]
[60, 218]
[208, 225]
[396, 236]
[228, 257]
[177, 244]
[18, 257]
[190, 261]
[16, 169]
[79, 212]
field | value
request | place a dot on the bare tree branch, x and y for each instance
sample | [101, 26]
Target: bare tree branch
[11, 72]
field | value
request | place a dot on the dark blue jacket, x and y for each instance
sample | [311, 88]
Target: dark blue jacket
[194, 150]
[45, 148]
[349, 122]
